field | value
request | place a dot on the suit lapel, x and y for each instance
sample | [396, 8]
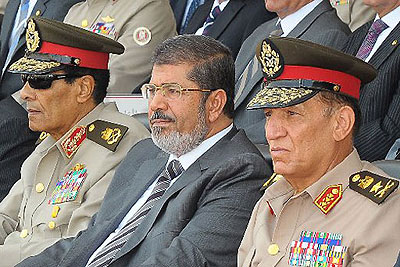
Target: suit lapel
[199, 17]
[192, 174]
[388, 46]
[135, 187]
[269, 26]
[305, 23]
[227, 15]
[8, 21]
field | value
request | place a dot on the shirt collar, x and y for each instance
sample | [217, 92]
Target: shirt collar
[391, 18]
[189, 158]
[290, 22]
[338, 175]
[221, 6]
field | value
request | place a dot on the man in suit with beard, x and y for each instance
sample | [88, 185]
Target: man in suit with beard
[377, 42]
[183, 198]
[311, 20]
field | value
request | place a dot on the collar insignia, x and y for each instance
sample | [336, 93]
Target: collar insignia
[72, 143]
[373, 186]
[329, 198]
[274, 177]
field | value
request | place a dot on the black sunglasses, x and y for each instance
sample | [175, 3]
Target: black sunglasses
[44, 81]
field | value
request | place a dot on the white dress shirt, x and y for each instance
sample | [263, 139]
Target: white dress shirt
[186, 160]
[221, 7]
[391, 19]
[289, 22]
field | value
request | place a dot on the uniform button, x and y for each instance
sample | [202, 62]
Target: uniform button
[273, 249]
[38, 12]
[24, 233]
[52, 225]
[39, 188]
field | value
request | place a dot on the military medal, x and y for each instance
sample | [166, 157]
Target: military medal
[67, 188]
[106, 28]
[142, 36]
[339, 2]
[317, 249]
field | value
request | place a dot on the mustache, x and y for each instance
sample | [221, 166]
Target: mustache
[159, 115]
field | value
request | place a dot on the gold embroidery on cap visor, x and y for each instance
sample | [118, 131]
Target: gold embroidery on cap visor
[29, 65]
[280, 97]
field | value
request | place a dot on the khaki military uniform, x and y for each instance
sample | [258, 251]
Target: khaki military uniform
[369, 233]
[353, 12]
[35, 214]
[139, 25]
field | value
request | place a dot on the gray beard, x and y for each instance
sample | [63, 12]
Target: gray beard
[177, 143]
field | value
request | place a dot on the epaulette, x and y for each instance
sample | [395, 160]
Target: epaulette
[106, 133]
[274, 177]
[373, 186]
[42, 136]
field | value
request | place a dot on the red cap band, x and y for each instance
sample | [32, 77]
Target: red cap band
[349, 84]
[88, 59]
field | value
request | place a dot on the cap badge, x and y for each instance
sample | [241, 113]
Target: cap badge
[32, 37]
[329, 198]
[271, 60]
[373, 186]
[67, 188]
[142, 36]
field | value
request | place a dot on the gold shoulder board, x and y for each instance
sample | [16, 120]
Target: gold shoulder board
[373, 186]
[106, 133]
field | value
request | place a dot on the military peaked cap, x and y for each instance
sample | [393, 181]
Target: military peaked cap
[296, 70]
[52, 44]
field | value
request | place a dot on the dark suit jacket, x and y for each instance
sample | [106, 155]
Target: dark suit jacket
[178, 7]
[397, 264]
[379, 99]
[236, 22]
[199, 221]
[321, 26]
[17, 142]
[53, 9]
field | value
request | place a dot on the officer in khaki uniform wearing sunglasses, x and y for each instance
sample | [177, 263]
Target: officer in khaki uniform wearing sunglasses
[64, 180]
[327, 207]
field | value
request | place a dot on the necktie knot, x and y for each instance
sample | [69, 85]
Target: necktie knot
[174, 169]
[278, 30]
[378, 26]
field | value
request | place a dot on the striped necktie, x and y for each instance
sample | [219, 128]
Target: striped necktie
[210, 19]
[107, 254]
[376, 28]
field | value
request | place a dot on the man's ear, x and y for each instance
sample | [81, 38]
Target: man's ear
[344, 123]
[215, 104]
[85, 88]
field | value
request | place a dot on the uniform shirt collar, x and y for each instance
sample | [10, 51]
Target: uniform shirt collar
[290, 22]
[281, 191]
[338, 175]
[189, 158]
